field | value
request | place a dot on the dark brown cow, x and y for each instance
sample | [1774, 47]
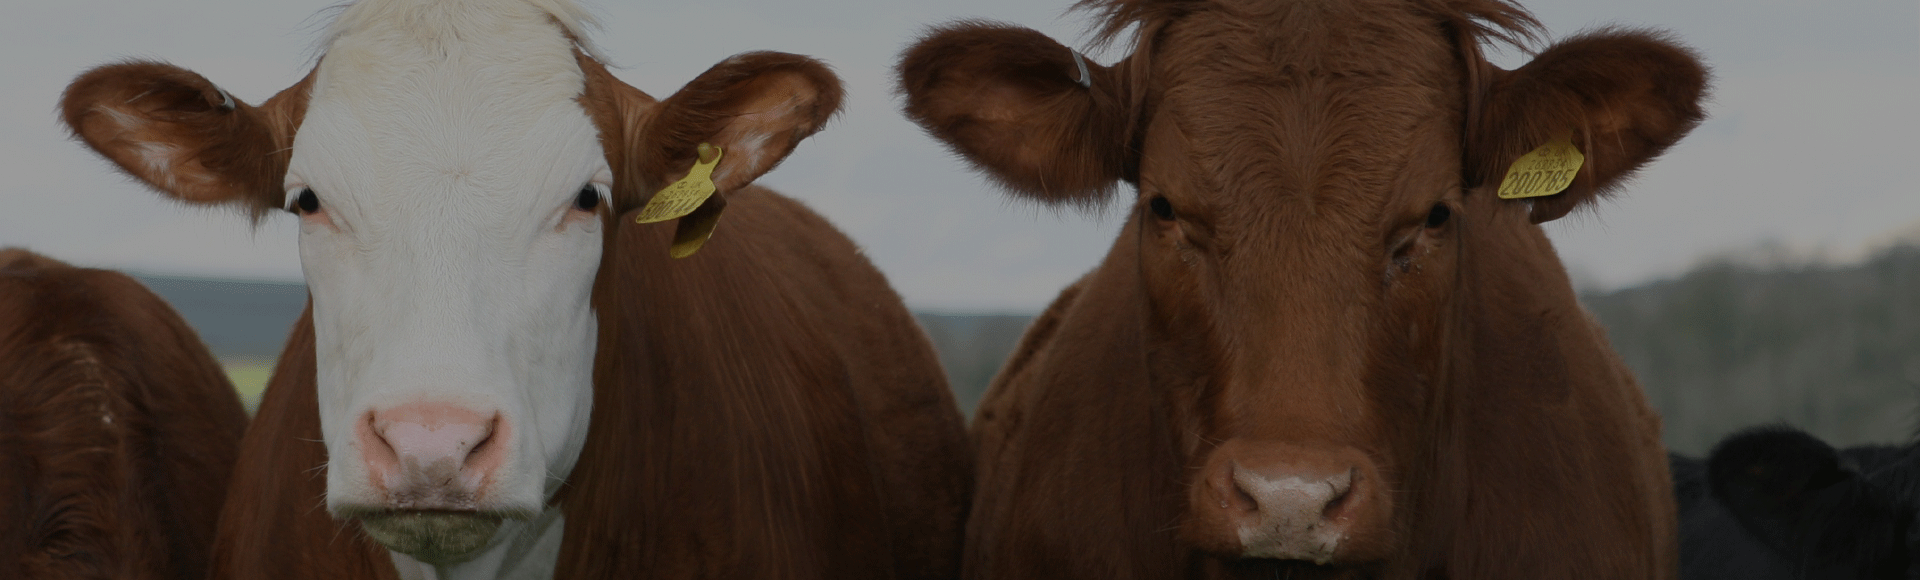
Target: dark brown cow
[1321, 346]
[117, 428]
[501, 374]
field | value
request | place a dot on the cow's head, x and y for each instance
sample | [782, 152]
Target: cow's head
[1830, 515]
[1311, 180]
[454, 167]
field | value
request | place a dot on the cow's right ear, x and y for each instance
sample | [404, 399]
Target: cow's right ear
[178, 133]
[1036, 116]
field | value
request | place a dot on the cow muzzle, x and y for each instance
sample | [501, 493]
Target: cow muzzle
[433, 465]
[434, 537]
[1285, 501]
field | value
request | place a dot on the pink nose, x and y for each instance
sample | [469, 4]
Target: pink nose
[431, 455]
[1291, 502]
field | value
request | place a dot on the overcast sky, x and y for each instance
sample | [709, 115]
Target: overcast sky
[1813, 140]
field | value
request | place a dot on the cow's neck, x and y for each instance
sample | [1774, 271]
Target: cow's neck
[529, 549]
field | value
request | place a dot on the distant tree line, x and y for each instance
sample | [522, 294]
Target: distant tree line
[1834, 350]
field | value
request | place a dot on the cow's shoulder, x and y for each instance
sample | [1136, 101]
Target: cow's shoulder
[775, 355]
[121, 425]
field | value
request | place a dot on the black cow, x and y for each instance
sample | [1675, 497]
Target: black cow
[1774, 502]
[1713, 544]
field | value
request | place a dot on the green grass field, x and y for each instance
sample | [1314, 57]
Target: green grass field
[249, 378]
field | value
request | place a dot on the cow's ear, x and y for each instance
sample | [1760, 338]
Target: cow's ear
[1034, 115]
[755, 107]
[178, 133]
[1771, 472]
[1624, 96]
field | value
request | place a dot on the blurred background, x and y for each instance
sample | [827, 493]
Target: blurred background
[1763, 270]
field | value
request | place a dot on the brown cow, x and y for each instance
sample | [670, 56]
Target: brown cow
[502, 373]
[117, 428]
[1321, 346]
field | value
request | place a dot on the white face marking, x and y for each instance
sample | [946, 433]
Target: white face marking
[447, 264]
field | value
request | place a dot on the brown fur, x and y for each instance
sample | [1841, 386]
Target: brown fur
[766, 408]
[1595, 85]
[773, 412]
[1054, 116]
[1293, 292]
[789, 95]
[841, 441]
[117, 428]
[219, 156]
[652, 143]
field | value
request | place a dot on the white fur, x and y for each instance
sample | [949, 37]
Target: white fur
[445, 144]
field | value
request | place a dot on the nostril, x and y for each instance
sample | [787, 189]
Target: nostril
[481, 446]
[374, 444]
[1341, 488]
[486, 443]
[1230, 486]
[1246, 500]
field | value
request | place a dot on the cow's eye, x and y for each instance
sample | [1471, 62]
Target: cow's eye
[1160, 207]
[588, 199]
[304, 203]
[1437, 216]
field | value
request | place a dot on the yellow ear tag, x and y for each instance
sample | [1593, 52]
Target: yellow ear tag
[1544, 171]
[696, 228]
[685, 195]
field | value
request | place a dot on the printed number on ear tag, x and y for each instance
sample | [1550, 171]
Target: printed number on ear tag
[1544, 171]
[685, 195]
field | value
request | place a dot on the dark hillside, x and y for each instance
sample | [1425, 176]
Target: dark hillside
[237, 319]
[1832, 349]
[972, 348]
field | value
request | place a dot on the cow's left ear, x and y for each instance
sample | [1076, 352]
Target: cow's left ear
[1623, 95]
[755, 107]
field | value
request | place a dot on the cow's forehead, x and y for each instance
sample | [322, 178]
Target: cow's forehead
[1313, 103]
[483, 104]
[515, 53]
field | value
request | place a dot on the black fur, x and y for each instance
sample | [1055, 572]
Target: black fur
[1779, 503]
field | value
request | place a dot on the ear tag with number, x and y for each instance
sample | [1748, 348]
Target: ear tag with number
[685, 195]
[1544, 171]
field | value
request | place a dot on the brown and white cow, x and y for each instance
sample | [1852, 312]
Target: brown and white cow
[1321, 346]
[466, 174]
[117, 428]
